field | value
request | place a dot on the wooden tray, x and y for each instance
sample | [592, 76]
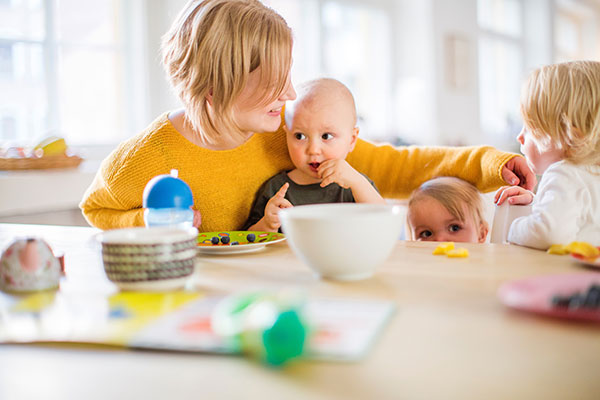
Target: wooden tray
[45, 162]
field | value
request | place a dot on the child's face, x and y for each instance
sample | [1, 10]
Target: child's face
[320, 130]
[537, 159]
[430, 221]
[252, 117]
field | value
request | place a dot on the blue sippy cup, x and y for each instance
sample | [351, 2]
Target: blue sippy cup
[168, 201]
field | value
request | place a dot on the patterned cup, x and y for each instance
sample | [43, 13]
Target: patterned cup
[157, 258]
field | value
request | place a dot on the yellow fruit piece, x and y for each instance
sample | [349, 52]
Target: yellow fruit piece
[52, 146]
[558, 249]
[461, 252]
[583, 248]
[443, 248]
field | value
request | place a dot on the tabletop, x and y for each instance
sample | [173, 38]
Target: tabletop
[450, 336]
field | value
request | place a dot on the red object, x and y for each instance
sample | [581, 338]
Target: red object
[535, 295]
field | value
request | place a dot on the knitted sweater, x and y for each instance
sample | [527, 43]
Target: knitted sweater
[224, 183]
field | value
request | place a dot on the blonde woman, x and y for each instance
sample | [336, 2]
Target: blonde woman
[447, 209]
[560, 105]
[229, 62]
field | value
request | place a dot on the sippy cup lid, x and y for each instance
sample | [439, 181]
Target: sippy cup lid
[167, 191]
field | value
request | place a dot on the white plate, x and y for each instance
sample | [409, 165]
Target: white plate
[262, 239]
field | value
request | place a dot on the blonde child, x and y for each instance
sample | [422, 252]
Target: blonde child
[447, 209]
[560, 106]
[229, 63]
[320, 132]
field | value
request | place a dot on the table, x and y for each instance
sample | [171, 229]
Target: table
[449, 338]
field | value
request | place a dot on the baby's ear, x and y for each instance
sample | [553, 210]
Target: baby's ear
[354, 137]
[483, 232]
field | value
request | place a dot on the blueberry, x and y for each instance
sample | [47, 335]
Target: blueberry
[234, 243]
[560, 301]
[251, 237]
[225, 239]
[214, 240]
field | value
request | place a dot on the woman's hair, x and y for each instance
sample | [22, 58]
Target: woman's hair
[456, 195]
[560, 105]
[210, 50]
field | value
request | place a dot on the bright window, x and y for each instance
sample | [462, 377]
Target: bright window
[350, 42]
[70, 68]
[500, 67]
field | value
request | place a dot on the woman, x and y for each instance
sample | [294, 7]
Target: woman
[229, 62]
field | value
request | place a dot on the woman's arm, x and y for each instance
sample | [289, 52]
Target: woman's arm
[397, 171]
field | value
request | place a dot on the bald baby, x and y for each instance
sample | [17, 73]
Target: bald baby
[323, 92]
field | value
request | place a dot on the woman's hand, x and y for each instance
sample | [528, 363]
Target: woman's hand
[197, 218]
[517, 172]
[514, 194]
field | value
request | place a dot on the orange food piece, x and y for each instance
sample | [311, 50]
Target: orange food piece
[443, 248]
[460, 252]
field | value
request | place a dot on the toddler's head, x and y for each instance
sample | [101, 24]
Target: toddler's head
[320, 124]
[560, 106]
[447, 209]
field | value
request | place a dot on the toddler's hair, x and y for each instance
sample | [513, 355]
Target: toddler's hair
[560, 104]
[455, 194]
[210, 50]
[310, 90]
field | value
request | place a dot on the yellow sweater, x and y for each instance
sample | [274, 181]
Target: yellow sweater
[224, 183]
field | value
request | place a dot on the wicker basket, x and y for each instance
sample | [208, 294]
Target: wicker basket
[45, 162]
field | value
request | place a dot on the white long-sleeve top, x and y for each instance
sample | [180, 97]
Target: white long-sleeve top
[566, 208]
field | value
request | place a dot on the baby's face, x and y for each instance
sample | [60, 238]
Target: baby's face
[538, 160]
[430, 221]
[320, 130]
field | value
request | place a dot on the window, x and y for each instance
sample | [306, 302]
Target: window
[348, 41]
[70, 68]
[500, 67]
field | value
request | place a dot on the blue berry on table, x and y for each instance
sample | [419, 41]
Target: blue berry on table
[225, 239]
[251, 237]
[214, 240]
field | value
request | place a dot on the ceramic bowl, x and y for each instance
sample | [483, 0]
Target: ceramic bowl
[149, 258]
[343, 241]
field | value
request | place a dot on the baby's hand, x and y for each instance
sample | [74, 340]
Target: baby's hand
[277, 202]
[338, 171]
[514, 194]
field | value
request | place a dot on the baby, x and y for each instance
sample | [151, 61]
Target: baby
[447, 209]
[560, 106]
[321, 130]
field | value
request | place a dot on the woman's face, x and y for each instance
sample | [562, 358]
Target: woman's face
[430, 221]
[252, 116]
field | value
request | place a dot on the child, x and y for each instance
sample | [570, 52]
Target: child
[320, 130]
[560, 106]
[447, 209]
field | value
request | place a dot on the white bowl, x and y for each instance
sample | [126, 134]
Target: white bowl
[343, 241]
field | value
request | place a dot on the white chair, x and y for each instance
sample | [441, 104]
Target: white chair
[504, 215]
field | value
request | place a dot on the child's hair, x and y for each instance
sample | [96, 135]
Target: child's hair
[560, 104]
[210, 50]
[456, 195]
[310, 90]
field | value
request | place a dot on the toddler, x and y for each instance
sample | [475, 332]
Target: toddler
[447, 209]
[560, 106]
[321, 130]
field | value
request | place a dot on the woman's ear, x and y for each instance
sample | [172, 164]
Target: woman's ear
[209, 97]
[483, 232]
[353, 138]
